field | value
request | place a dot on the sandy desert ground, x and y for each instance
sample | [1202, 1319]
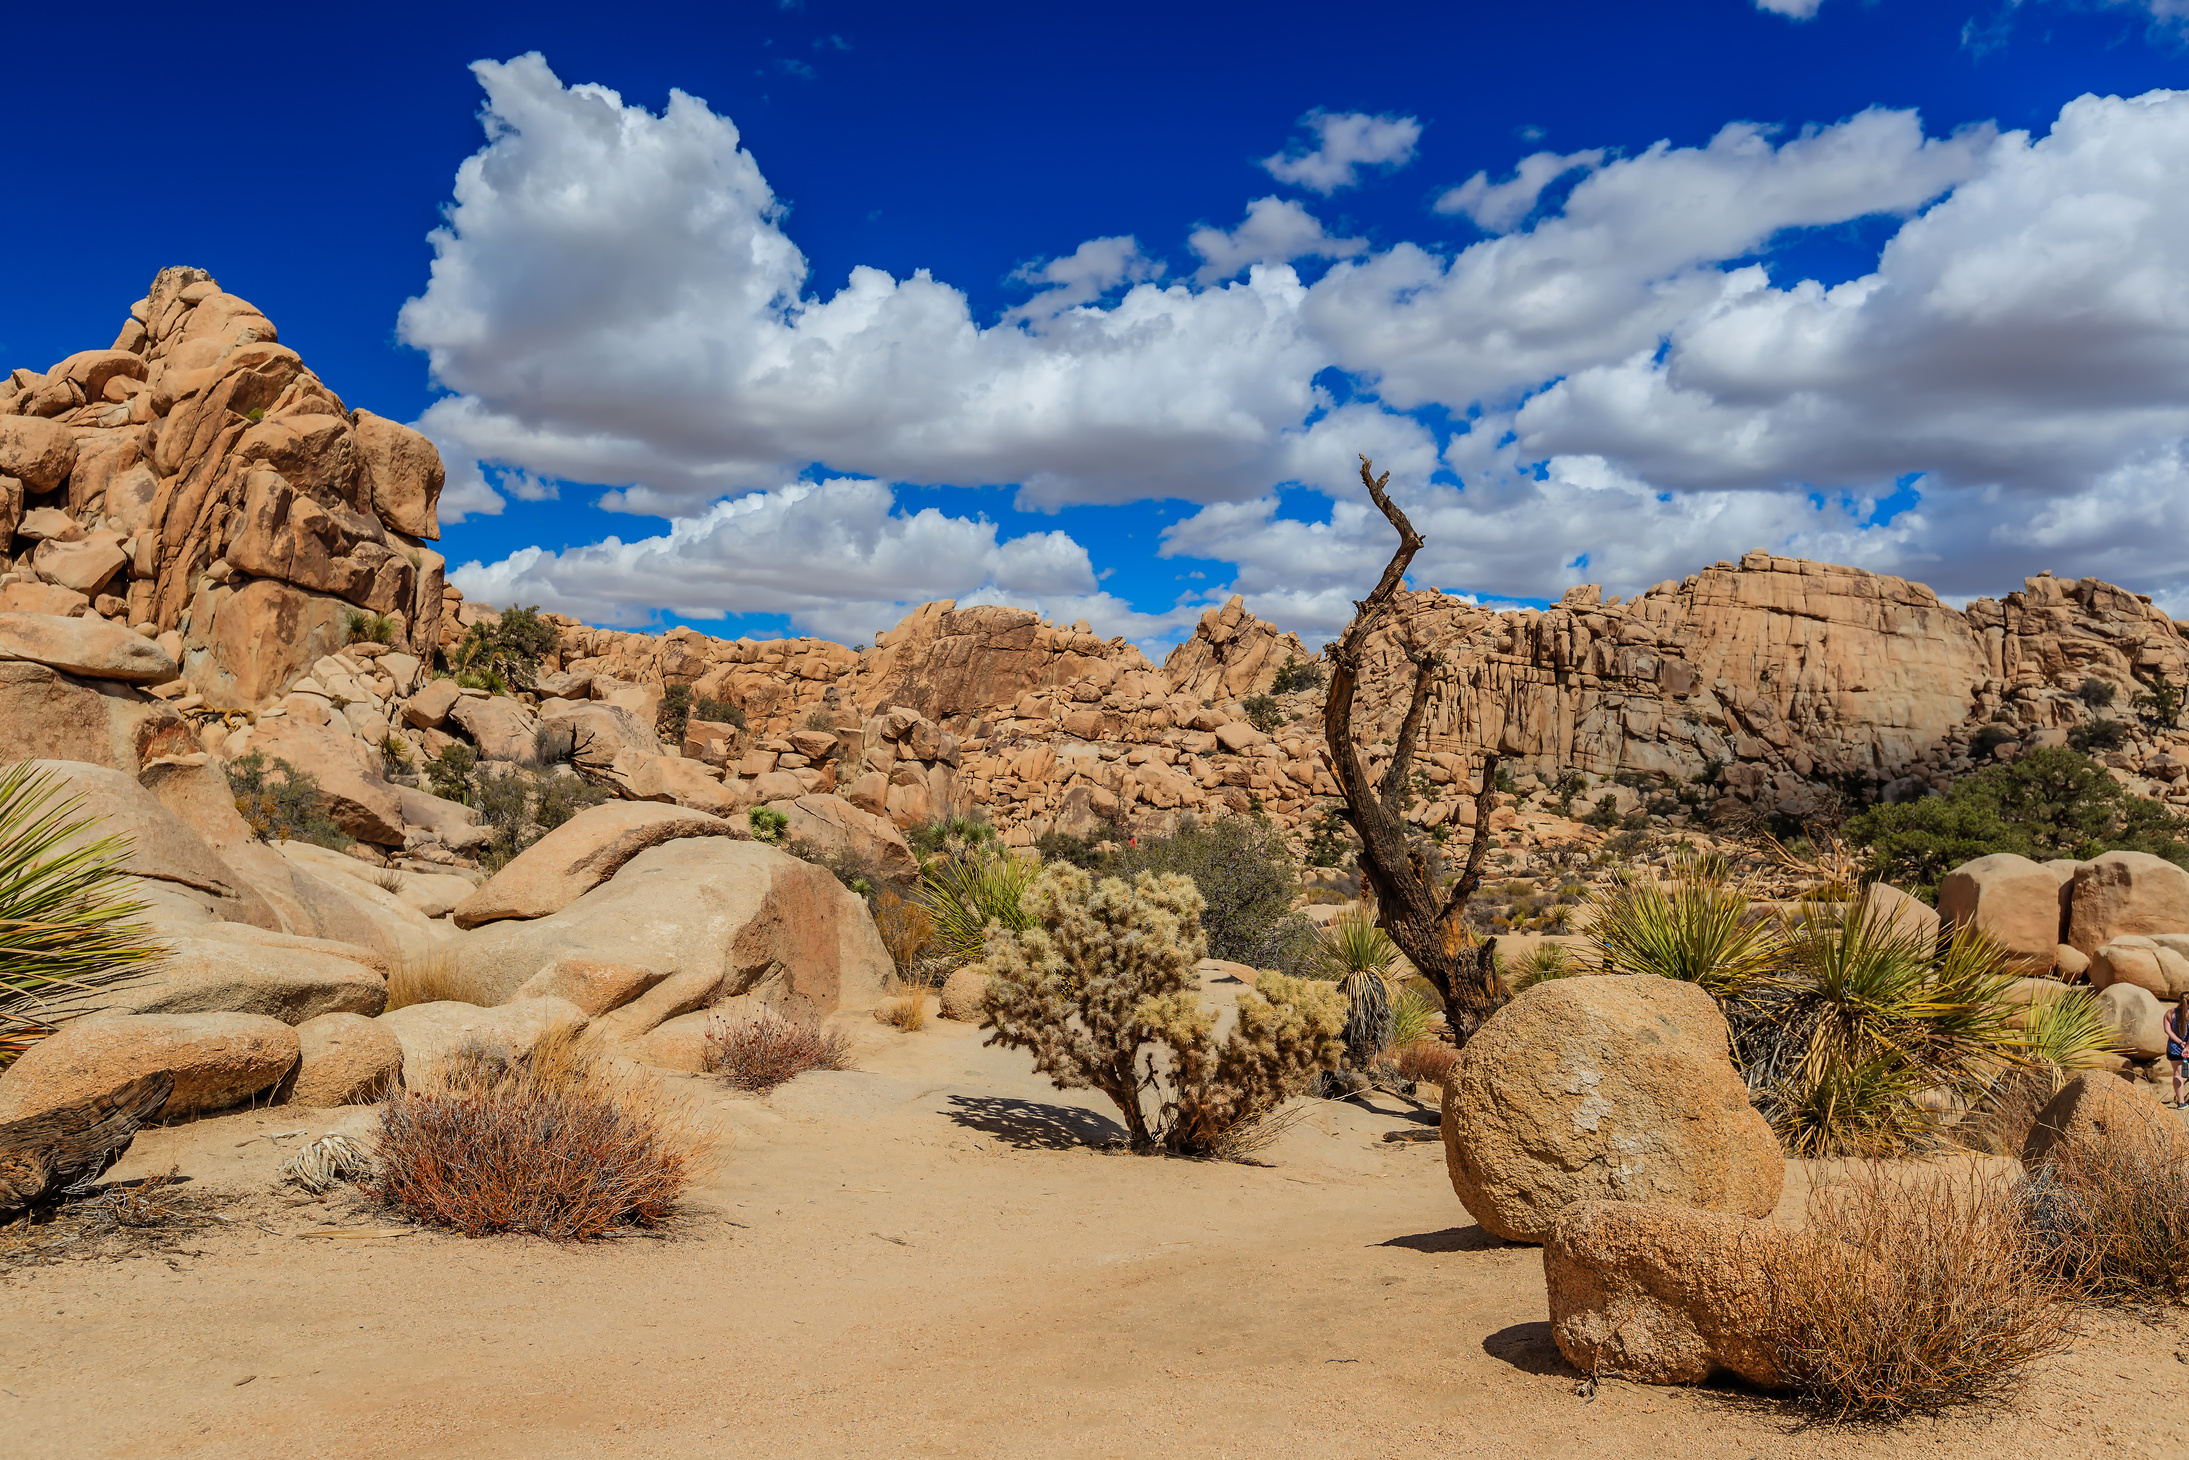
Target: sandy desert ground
[926, 1256]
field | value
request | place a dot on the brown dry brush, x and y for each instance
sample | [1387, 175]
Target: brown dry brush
[2113, 1207]
[1429, 925]
[759, 1054]
[1925, 1288]
[1425, 1059]
[553, 1144]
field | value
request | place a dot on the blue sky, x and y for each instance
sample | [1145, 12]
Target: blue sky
[1922, 313]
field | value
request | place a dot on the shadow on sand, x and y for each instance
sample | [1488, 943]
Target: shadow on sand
[1529, 1348]
[1451, 1239]
[1030, 1125]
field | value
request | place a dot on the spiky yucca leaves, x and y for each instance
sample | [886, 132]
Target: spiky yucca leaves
[1695, 928]
[1101, 989]
[965, 893]
[1544, 961]
[67, 929]
[1871, 1015]
[1360, 956]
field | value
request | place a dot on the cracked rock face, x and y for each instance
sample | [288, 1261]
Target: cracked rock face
[1604, 1089]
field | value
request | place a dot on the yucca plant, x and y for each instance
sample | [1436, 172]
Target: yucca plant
[964, 894]
[1361, 956]
[1544, 961]
[1868, 1015]
[67, 927]
[1694, 928]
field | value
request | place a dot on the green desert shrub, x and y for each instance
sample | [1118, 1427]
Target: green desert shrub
[676, 710]
[1693, 927]
[519, 804]
[1361, 959]
[68, 926]
[1293, 676]
[1247, 879]
[281, 803]
[967, 893]
[1263, 713]
[369, 628]
[505, 654]
[1106, 972]
[2048, 803]
[768, 824]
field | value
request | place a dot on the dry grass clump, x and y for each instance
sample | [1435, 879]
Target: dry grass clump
[1425, 1059]
[762, 1053]
[552, 1144]
[1926, 1288]
[908, 932]
[424, 978]
[906, 1009]
[2114, 1206]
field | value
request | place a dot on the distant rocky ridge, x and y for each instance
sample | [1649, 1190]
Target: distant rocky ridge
[197, 485]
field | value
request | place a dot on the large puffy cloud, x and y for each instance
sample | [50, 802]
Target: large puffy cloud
[2023, 344]
[614, 301]
[1635, 250]
[1609, 388]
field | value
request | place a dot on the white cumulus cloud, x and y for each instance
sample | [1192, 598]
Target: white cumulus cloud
[1345, 142]
[1275, 231]
[1612, 388]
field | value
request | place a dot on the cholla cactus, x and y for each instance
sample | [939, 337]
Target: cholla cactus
[1102, 990]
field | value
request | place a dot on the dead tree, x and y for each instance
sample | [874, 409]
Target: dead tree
[43, 1157]
[1429, 927]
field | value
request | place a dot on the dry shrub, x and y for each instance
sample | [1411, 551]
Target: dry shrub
[553, 1144]
[762, 1053]
[906, 1009]
[908, 932]
[1245, 1140]
[1425, 1059]
[425, 978]
[1926, 1288]
[2114, 1206]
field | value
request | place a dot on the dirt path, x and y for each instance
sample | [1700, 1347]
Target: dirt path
[920, 1258]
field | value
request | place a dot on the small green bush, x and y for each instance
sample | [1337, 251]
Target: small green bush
[2160, 705]
[498, 655]
[1294, 676]
[2097, 736]
[281, 803]
[718, 712]
[1080, 851]
[1329, 838]
[2096, 693]
[370, 628]
[930, 838]
[768, 824]
[1263, 713]
[676, 710]
[1247, 879]
[449, 774]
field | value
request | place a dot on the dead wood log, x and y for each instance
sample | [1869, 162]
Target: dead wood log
[1429, 927]
[45, 1156]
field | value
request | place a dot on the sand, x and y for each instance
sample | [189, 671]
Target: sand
[925, 1257]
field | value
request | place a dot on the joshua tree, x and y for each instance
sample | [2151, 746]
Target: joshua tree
[1429, 926]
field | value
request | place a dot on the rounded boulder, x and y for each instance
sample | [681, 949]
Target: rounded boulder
[963, 992]
[346, 1059]
[1604, 1088]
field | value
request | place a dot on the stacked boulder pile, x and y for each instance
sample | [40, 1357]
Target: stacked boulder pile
[2119, 923]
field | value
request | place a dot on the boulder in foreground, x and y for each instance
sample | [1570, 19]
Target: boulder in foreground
[1663, 1295]
[218, 1060]
[1604, 1087]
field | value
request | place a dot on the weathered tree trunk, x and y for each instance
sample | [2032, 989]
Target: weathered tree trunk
[49, 1154]
[1429, 928]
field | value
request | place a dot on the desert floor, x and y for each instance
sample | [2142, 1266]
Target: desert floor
[923, 1257]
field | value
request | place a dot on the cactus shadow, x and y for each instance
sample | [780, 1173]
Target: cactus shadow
[1032, 1125]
